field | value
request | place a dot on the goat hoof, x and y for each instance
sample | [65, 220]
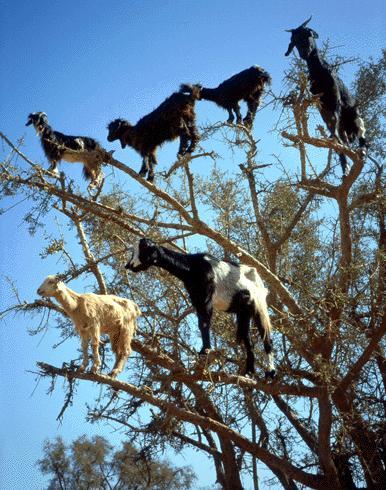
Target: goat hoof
[113, 374]
[94, 369]
[270, 374]
[204, 352]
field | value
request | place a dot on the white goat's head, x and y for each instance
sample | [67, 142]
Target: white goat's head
[50, 285]
[38, 120]
[143, 254]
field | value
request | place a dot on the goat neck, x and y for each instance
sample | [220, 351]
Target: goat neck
[66, 297]
[209, 94]
[45, 130]
[173, 262]
[315, 63]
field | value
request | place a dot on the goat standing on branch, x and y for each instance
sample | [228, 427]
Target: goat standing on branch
[337, 107]
[58, 146]
[213, 283]
[248, 85]
[174, 118]
[93, 315]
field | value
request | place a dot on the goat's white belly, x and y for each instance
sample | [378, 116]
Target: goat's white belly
[230, 279]
[71, 157]
[221, 299]
[226, 279]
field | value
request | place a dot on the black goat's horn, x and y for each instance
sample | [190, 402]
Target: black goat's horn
[306, 22]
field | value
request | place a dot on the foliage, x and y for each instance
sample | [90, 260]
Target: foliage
[93, 464]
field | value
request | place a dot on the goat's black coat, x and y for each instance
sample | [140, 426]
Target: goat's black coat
[174, 118]
[337, 107]
[248, 85]
[56, 145]
[197, 272]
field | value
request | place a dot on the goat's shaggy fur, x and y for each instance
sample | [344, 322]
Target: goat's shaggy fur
[214, 284]
[248, 85]
[337, 107]
[58, 146]
[174, 118]
[96, 314]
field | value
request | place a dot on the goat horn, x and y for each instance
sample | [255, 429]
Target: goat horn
[306, 22]
[289, 30]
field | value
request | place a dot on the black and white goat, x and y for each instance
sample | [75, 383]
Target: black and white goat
[58, 146]
[248, 85]
[337, 107]
[174, 118]
[214, 284]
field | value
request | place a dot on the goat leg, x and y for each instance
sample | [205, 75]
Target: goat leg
[344, 164]
[53, 168]
[83, 366]
[95, 350]
[145, 167]
[231, 117]
[152, 163]
[239, 118]
[204, 318]
[193, 137]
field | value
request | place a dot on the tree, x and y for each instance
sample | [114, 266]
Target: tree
[319, 244]
[92, 464]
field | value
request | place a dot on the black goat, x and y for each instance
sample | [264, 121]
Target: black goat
[213, 283]
[58, 146]
[337, 107]
[248, 85]
[174, 118]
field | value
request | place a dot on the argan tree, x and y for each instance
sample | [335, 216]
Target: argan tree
[318, 242]
[93, 463]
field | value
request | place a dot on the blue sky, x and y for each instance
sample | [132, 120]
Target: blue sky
[85, 63]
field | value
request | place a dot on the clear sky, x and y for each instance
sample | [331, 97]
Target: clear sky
[85, 63]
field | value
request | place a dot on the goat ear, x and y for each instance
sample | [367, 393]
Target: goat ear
[314, 33]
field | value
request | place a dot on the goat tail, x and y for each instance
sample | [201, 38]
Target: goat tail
[87, 174]
[262, 320]
[138, 312]
[192, 90]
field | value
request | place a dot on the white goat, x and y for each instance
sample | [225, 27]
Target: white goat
[94, 314]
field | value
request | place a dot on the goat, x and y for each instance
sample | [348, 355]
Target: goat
[214, 284]
[174, 118]
[337, 107]
[58, 146]
[93, 315]
[248, 85]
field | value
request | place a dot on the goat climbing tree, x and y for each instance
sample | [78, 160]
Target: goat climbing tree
[319, 244]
